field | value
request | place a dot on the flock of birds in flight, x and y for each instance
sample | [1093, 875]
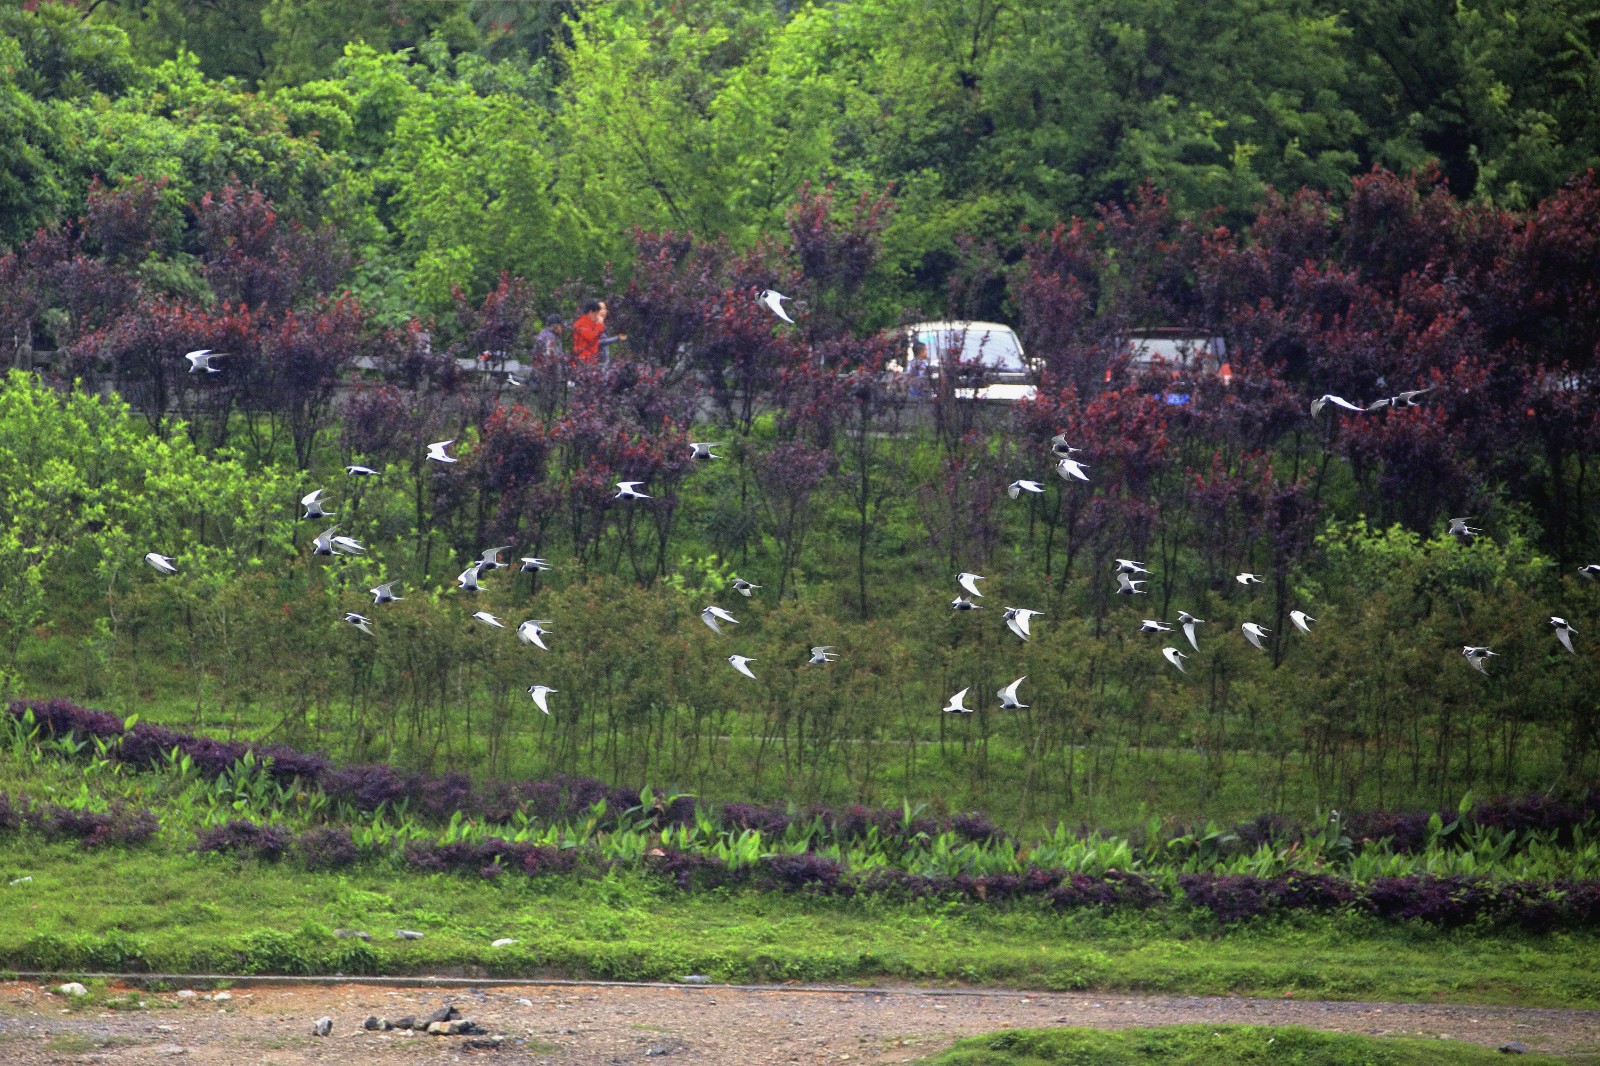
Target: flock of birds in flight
[1015, 619]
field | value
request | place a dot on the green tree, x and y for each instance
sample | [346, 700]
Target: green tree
[65, 57]
[32, 154]
[87, 491]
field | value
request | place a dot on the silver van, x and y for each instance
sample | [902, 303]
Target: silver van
[986, 358]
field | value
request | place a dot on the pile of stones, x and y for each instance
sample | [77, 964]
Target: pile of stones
[446, 1021]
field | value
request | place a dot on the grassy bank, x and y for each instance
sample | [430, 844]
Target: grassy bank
[175, 911]
[1215, 1045]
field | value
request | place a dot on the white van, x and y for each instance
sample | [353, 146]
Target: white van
[1175, 348]
[1178, 355]
[989, 356]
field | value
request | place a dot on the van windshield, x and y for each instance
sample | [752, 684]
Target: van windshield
[996, 349]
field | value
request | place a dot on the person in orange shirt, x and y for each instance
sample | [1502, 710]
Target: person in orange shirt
[588, 334]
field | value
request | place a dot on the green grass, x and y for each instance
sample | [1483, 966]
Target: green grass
[1217, 1045]
[179, 912]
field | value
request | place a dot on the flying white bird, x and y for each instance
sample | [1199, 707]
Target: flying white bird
[703, 450]
[1070, 468]
[533, 632]
[1008, 696]
[312, 502]
[1564, 632]
[712, 614]
[1589, 572]
[1175, 657]
[1301, 621]
[822, 653]
[1189, 621]
[323, 544]
[1478, 657]
[1130, 566]
[360, 471]
[1405, 399]
[742, 663]
[1127, 586]
[531, 564]
[488, 619]
[348, 546]
[1060, 448]
[955, 705]
[1338, 401]
[1253, 633]
[743, 587]
[774, 301]
[1017, 619]
[1017, 488]
[360, 621]
[961, 603]
[436, 452]
[162, 564]
[490, 559]
[467, 581]
[384, 593]
[628, 490]
[201, 360]
[1459, 528]
[1151, 625]
[1247, 579]
[969, 582]
[539, 694]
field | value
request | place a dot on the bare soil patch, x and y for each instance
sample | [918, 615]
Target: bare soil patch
[607, 1025]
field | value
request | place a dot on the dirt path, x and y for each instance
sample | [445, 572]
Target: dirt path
[603, 1026]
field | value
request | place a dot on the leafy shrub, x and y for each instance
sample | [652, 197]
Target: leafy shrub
[440, 797]
[147, 746]
[1299, 890]
[1406, 831]
[1117, 888]
[688, 869]
[1267, 829]
[976, 827]
[246, 840]
[538, 862]
[768, 821]
[1234, 898]
[1442, 901]
[326, 848]
[120, 825]
[806, 872]
[998, 887]
[476, 856]
[366, 787]
[1537, 812]
[60, 718]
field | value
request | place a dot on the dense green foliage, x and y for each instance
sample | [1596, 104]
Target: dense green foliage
[462, 139]
[350, 202]
[247, 637]
[1209, 1045]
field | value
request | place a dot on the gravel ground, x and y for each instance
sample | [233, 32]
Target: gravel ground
[576, 1025]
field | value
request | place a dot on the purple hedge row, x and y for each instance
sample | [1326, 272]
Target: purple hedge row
[366, 787]
[121, 825]
[1446, 902]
